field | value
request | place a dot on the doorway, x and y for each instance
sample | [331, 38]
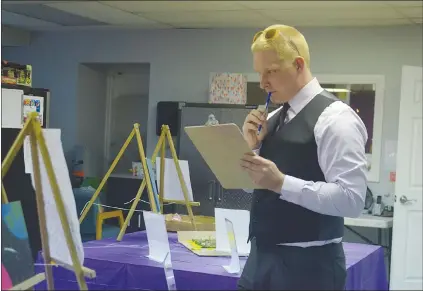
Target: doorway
[111, 98]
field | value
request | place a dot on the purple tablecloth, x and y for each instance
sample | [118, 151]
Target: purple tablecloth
[123, 265]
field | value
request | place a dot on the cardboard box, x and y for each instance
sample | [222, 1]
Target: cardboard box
[16, 74]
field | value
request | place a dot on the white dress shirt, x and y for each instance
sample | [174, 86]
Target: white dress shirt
[340, 137]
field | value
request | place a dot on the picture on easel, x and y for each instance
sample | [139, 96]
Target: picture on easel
[59, 227]
[17, 264]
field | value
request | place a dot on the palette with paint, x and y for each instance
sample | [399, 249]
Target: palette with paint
[201, 243]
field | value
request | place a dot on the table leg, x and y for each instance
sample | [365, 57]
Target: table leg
[379, 236]
[389, 250]
[367, 240]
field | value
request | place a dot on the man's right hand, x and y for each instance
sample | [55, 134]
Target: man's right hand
[250, 128]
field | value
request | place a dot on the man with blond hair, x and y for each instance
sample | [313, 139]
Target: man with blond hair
[310, 160]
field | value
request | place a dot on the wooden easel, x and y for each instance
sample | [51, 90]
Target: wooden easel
[161, 145]
[146, 180]
[33, 128]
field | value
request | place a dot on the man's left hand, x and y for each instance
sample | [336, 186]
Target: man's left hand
[263, 172]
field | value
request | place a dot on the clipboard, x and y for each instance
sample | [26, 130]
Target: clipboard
[222, 147]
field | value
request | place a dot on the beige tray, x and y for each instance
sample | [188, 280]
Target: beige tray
[203, 223]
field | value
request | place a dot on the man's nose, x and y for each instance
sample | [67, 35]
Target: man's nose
[263, 83]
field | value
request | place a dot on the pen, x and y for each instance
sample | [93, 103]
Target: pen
[267, 106]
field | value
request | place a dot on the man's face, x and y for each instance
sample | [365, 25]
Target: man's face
[275, 76]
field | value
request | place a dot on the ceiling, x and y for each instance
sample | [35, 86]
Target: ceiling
[60, 15]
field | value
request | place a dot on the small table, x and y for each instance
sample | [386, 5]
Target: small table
[380, 222]
[124, 266]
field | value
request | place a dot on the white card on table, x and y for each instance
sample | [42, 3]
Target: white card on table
[240, 220]
[158, 241]
[234, 266]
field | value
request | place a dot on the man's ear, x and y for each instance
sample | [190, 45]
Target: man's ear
[299, 63]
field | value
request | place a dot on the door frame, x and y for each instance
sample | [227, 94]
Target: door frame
[108, 119]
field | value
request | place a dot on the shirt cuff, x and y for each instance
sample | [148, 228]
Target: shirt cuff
[291, 186]
[257, 150]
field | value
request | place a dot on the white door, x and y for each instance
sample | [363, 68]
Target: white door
[406, 266]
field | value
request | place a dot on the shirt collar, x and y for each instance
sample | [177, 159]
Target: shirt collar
[305, 95]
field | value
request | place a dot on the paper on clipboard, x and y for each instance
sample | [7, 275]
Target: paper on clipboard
[222, 147]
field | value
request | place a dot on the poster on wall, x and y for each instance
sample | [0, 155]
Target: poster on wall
[17, 264]
[32, 104]
[228, 88]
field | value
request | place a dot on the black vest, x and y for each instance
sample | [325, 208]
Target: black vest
[294, 151]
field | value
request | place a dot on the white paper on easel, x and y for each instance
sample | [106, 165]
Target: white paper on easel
[172, 185]
[56, 236]
[234, 266]
[240, 220]
[158, 241]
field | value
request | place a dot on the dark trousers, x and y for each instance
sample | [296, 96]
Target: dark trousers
[294, 268]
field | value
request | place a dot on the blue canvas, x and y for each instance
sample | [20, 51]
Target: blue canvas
[16, 257]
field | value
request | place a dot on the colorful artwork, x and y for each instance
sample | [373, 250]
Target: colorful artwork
[32, 104]
[16, 258]
[229, 88]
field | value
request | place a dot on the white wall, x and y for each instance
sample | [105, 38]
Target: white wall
[11, 36]
[89, 118]
[181, 60]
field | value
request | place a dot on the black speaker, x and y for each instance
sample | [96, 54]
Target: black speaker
[18, 187]
[168, 114]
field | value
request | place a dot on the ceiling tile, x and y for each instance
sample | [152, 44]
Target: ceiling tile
[174, 6]
[50, 14]
[405, 3]
[309, 5]
[342, 22]
[17, 20]
[416, 12]
[205, 17]
[107, 14]
[30, 2]
[357, 14]
[212, 25]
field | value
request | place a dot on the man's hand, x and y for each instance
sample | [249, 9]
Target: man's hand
[250, 128]
[263, 172]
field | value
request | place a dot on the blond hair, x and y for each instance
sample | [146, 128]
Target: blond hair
[288, 43]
